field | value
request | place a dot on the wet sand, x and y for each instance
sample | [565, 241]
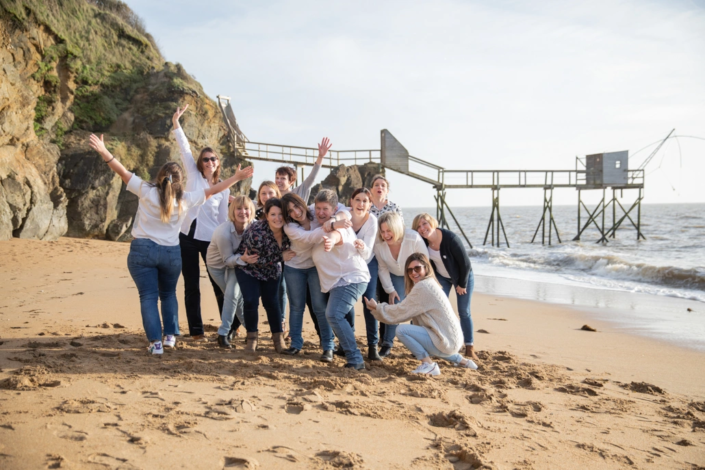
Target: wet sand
[77, 389]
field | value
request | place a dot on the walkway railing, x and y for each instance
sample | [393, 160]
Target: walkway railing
[295, 155]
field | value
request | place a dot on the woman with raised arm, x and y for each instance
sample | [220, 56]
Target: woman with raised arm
[380, 200]
[364, 225]
[343, 274]
[394, 245]
[302, 276]
[154, 261]
[435, 330]
[262, 278]
[452, 267]
[286, 175]
[222, 261]
[198, 225]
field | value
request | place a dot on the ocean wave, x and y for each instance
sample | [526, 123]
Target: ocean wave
[599, 265]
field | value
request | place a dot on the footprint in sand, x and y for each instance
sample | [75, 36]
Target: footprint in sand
[240, 462]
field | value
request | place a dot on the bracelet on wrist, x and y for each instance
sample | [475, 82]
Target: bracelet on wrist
[108, 161]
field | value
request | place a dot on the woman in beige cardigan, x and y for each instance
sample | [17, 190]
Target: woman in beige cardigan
[436, 330]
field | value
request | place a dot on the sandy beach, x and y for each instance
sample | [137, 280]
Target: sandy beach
[77, 389]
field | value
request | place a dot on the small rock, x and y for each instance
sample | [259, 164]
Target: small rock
[105, 325]
[117, 325]
[483, 331]
[689, 309]
[76, 344]
[587, 328]
[684, 443]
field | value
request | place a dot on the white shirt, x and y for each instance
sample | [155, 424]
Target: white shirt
[342, 265]
[148, 222]
[211, 214]
[411, 243]
[224, 244]
[368, 234]
[435, 256]
[302, 242]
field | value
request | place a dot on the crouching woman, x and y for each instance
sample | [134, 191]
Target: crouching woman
[436, 330]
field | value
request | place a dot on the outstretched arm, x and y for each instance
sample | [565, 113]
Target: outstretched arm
[184, 147]
[239, 175]
[98, 145]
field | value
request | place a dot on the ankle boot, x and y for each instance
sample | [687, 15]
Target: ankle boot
[251, 342]
[372, 353]
[470, 353]
[223, 342]
[279, 344]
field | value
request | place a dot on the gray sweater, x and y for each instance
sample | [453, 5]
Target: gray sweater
[304, 189]
[224, 244]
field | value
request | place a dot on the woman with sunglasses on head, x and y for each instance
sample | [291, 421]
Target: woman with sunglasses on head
[222, 261]
[452, 267]
[198, 225]
[435, 331]
[261, 278]
[154, 261]
[394, 245]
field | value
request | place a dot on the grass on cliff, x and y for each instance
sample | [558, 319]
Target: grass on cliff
[101, 42]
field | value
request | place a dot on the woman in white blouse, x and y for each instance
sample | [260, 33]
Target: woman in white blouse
[198, 226]
[154, 261]
[394, 245]
[221, 262]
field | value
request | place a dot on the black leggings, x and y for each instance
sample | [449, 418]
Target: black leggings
[191, 249]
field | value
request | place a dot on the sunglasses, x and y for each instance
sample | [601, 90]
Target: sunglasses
[415, 269]
[210, 159]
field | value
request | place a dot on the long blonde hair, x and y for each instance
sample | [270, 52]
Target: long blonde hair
[238, 202]
[423, 261]
[170, 188]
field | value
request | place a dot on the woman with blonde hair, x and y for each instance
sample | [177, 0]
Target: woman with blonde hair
[198, 224]
[452, 267]
[394, 245]
[154, 261]
[222, 261]
[435, 330]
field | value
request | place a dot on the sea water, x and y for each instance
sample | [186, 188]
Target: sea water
[655, 287]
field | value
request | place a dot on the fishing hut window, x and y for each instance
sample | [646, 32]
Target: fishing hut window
[618, 164]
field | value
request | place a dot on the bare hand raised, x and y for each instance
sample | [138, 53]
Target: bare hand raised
[245, 173]
[97, 144]
[177, 115]
[323, 148]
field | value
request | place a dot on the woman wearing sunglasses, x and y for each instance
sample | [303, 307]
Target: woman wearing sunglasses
[198, 225]
[436, 329]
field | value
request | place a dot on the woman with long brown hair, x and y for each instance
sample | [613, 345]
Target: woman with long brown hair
[199, 224]
[154, 261]
[435, 330]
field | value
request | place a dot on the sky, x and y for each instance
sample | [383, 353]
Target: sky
[463, 84]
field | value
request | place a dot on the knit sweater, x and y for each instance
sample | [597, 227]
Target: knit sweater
[426, 305]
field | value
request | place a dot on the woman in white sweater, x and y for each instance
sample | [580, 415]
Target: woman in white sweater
[435, 330]
[393, 247]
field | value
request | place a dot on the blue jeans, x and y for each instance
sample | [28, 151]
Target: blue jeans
[463, 305]
[371, 324]
[388, 331]
[233, 303]
[298, 281]
[282, 298]
[155, 270]
[340, 301]
[252, 289]
[419, 342]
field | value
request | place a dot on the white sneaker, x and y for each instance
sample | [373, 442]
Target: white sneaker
[427, 368]
[469, 364]
[155, 348]
[170, 341]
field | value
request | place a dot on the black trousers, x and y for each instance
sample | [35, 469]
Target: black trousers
[191, 249]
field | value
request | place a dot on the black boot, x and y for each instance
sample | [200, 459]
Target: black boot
[372, 353]
[385, 351]
[327, 356]
[340, 351]
[291, 351]
[223, 342]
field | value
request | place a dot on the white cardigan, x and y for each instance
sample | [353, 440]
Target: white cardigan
[411, 243]
[215, 210]
[427, 306]
[368, 234]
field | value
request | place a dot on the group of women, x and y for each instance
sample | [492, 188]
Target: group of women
[325, 256]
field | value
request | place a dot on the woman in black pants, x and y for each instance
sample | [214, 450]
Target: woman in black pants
[199, 224]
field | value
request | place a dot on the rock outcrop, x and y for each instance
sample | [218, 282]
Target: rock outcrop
[346, 179]
[62, 78]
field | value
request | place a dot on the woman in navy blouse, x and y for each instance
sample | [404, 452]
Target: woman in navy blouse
[261, 279]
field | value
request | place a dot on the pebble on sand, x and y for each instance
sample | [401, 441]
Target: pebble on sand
[588, 328]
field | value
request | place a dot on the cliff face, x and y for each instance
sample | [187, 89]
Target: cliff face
[74, 67]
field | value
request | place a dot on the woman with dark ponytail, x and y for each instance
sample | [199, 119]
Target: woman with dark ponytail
[154, 261]
[199, 224]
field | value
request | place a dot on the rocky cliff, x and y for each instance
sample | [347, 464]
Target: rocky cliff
[72, 67]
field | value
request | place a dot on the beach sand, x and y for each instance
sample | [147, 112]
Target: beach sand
[78, 390]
